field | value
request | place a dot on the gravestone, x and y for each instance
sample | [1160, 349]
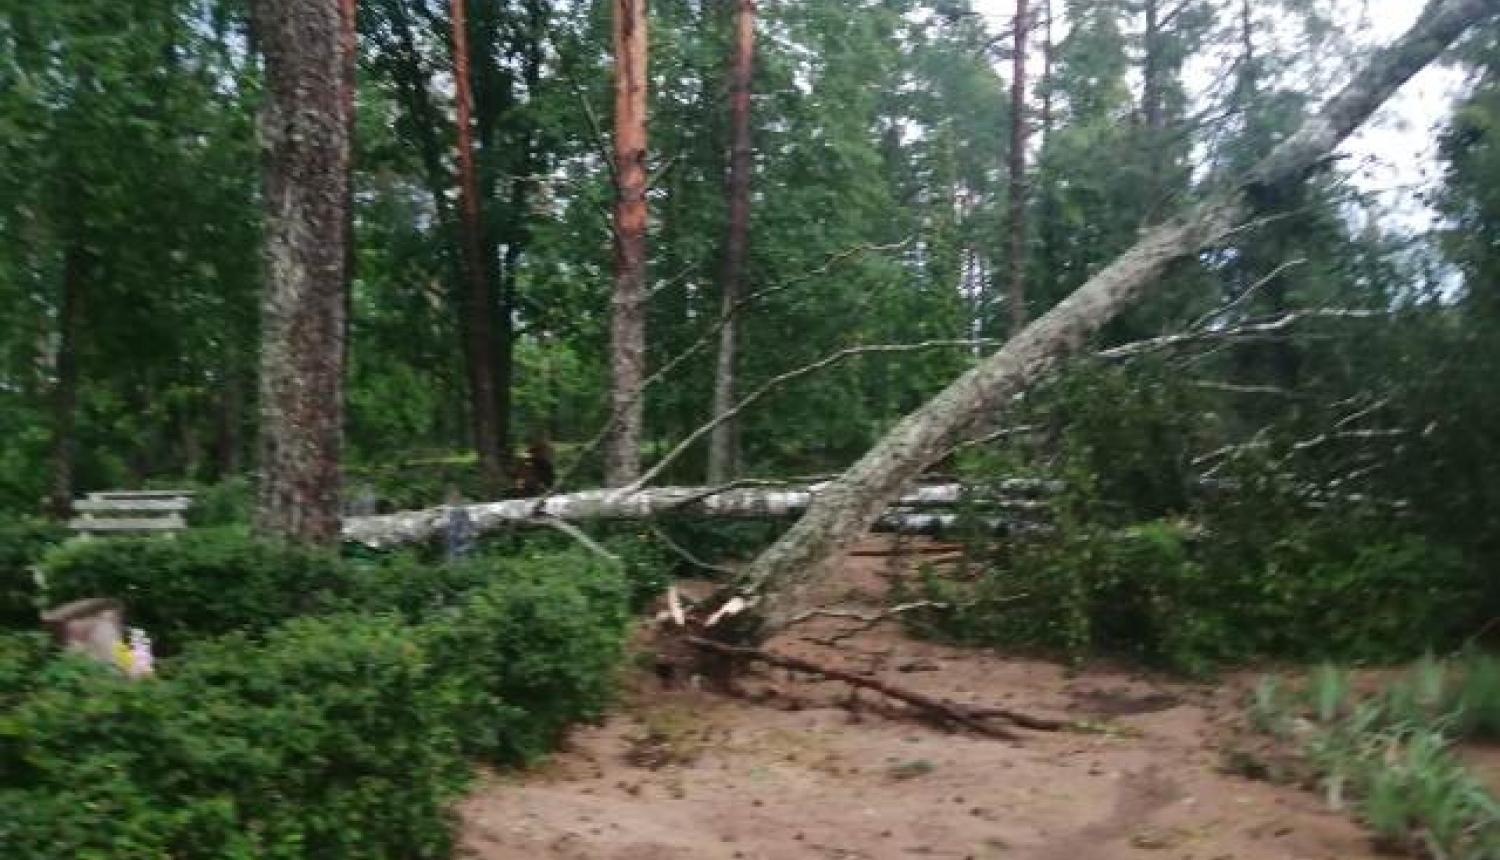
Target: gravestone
[95, 627]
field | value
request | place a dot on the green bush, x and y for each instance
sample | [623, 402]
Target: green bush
[200, 583]
[22, 543]
[342, 735]
[226, 503]
[533, 650]
[331, 740]
[1158, 593]
[22, 655]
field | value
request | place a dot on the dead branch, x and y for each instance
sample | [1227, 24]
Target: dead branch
[685, 554]
[944, 712]
[582, 538]
[1232, 388]
[1258, 329]
[743, 483]
[781, 379]
[1220, 311]
[711, 336]
[867, 620]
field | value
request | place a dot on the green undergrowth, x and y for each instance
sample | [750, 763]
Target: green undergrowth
[305, 705]
[1389, 756]
[1141, 555]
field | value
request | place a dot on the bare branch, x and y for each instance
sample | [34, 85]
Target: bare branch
[780, 380]
[867, 620]
[581, 537]
[1222, 310]
[685, 554]
[1232, 388]
[711, 336]
[1257, 329]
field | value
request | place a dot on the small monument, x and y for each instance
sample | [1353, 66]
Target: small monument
[96, 627]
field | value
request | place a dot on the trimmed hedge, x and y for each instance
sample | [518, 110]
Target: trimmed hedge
[22, 543]
[199, 584]
[533, 650]
[327, 742]
[345, 735]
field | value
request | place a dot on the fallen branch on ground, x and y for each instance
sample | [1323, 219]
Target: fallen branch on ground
[941, 710]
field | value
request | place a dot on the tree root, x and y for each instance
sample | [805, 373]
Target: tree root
[940, 710]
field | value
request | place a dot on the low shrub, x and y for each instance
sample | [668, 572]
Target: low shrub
[648, 564]
[227, 503]
[1160, 593]
[22, 543]
[345, 734]
[199, 584]
[331, 740]
[533, 650]
[22, 655]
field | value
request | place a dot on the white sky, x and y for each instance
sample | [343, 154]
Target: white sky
[1395, 153]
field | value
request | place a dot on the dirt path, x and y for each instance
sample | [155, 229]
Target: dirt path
[798, 773]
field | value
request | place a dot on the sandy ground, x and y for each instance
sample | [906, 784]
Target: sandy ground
[795, 770]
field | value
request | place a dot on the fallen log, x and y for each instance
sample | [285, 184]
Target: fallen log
[1023, 497]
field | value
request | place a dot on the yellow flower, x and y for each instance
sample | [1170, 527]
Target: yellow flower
[123, 657]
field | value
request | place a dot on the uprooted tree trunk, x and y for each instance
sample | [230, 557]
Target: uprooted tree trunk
[839, 515]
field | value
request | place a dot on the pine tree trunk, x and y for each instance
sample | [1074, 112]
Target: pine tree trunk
[349, 51]
[1047, 52]
[1016, 259]
[304, 137]
[782, 575]
[622, 457]
[228, 444]
[479, 305]
[64, 398]
[1153, 110]
[723, 446]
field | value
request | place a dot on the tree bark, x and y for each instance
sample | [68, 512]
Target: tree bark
[1047, 54]
[349, 52]
[479, 301]
[1152, 107]
[1017, 496]
[1016, 259]
[723, 445]
[75, 276]
[228, 444]
[627, 307]
[840, 514]
[304, 138]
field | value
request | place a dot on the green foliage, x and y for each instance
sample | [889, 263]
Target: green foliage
[1127, 432]
[227, 503]
[22, 544]
[1164, 594]
[342, 735]
[329, 740]
[200, 583]
[532, 650]
[1389, 755]
[21, 657]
